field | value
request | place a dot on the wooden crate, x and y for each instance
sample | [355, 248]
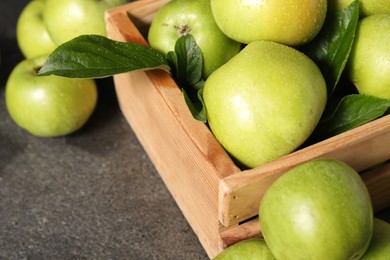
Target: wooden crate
[220, 201]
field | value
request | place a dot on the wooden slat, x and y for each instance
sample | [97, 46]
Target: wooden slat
[378, 184]
[195, 193]
[237, 233]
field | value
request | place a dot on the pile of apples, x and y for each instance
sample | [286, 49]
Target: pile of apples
[53, 106]
[264, 99]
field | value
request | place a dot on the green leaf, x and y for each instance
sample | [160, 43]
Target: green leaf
[352, 111]
[173, 64]
[197, 108]
[186, 63]
[331, 48]
[94, 56]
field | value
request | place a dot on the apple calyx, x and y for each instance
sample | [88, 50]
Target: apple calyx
[183, 30]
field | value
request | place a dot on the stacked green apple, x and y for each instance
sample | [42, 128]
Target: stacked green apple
[369, 62]
[367, 7]
[53, 106]
[45, 24]
[182, 17]
[31, 33]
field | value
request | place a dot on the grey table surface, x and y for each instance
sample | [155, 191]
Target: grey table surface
[91, 195]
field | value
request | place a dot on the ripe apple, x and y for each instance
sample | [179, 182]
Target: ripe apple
[379, 248]
[318, 210]
[367, 7]
[31, 33]
[48, 106]
[369, 62]
[264, 102]
[182, 17]
[67, 19]
[289, 22]
[249, 249]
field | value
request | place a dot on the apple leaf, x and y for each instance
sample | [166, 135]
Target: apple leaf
[352, 111]
[197, 108]
[94, 56]
[186, 63]
[331, 48]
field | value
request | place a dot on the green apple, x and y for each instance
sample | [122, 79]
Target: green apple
[367, 7]
[67, 19]
[181, 17]
[31, 33]
[264, 102]
[48, 106]
[288, 22]
[249, 249]
[320, 209]
[371, 7]
[369, 62]
[379, 248]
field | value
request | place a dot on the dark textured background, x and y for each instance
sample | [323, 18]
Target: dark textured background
[90, 195]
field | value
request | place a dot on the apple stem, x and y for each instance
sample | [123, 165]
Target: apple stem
[36, 69]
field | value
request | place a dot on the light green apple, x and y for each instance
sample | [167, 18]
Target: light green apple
[48, 106]
[318, 210]
[379, 248]
[181, 17]
[67, 19]
[264, 102]
[31, 33]
[288, 22]
[248, 249]
[367, 7]
[369, 62]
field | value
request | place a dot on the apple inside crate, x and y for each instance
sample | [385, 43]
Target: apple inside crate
[219, 200]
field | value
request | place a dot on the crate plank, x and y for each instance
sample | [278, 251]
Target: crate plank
[361, 148]
[194, 193]
[378, 185]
